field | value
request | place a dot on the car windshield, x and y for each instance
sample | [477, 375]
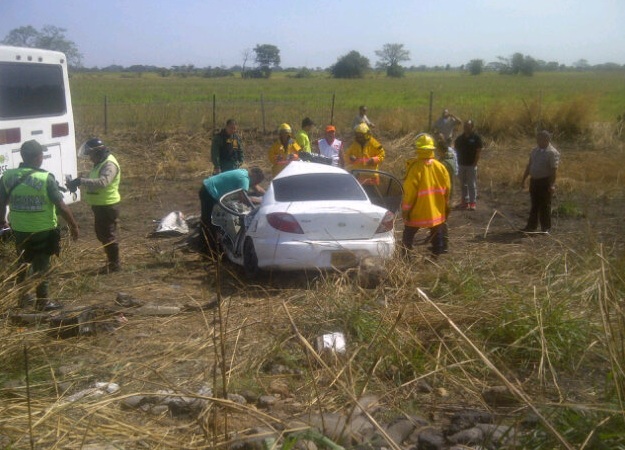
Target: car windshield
[317, 186]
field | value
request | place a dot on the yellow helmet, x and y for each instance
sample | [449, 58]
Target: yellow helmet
[362, 128]
[424, 141]
[285, 128]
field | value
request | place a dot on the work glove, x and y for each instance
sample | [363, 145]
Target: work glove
[72, 185]
[352, 158]
[371, 161]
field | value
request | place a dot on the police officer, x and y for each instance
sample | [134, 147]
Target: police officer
[226, 149]
[34, 199]
[101, 191]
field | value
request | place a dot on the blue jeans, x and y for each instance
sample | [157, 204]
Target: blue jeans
[468, 183]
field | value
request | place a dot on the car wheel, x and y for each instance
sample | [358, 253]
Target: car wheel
[250, 260]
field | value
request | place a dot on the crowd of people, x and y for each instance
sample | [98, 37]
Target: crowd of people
[442, 161]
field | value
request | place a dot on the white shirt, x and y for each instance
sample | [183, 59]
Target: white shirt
[330, 150]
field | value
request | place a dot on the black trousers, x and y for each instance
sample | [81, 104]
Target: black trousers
[438, 238]
[36, 249]
[540, 196]
[208, 229]
[106, 218]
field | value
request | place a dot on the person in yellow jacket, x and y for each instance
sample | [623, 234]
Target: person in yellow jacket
[364, 153]
[35, 199]
[284, 150]
[425, 203]
[101, 191]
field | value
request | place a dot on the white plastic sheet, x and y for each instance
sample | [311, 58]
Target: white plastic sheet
[173, 224]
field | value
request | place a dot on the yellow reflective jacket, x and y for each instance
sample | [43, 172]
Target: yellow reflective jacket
[32, 209]
[368, 156]
[426, 191]
[279, 156]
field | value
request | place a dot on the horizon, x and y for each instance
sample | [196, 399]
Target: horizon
[211, 34]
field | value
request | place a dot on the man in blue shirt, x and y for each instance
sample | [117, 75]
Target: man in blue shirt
[215, 187]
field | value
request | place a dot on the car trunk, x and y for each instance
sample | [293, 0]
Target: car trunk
[322, 221]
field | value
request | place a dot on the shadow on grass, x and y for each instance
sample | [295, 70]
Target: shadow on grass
[502, 237]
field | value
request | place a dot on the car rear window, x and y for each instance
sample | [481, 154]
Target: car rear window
[318, 186]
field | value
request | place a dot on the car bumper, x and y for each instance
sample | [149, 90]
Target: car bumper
[298, 255]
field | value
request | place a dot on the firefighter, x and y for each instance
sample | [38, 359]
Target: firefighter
[425, 203]
[284, 150]
[365, 153]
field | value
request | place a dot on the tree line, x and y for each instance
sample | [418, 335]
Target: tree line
[266, 59]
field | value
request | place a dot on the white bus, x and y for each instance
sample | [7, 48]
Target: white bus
[35, 103]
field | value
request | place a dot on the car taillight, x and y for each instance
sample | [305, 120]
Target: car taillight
[10, 136]
[284, 222]
[387, 223]
[60, 129]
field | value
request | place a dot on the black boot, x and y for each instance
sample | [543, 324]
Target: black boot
[45, 304]
[27, 299]
[112, 255]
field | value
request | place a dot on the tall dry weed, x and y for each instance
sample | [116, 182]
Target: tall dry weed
[572, 118]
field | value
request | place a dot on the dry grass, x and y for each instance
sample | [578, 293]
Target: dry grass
[543, 316]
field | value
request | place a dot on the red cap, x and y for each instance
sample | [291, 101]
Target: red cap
[330, 128]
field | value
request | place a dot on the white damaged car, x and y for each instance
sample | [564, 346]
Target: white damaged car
[313, 216]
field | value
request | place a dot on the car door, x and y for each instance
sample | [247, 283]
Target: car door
[387, 194]
[230, 215]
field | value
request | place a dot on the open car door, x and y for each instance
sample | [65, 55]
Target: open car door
[387, 194]
[230, 216]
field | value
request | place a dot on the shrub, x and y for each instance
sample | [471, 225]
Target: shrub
[352, 65]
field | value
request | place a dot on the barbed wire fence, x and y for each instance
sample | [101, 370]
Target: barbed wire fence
[261, 115]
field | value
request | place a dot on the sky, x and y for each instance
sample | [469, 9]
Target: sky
[315, 33]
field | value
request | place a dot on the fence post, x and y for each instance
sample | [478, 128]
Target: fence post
[106, 121]
[430, 114]
[332, 111]
[214, 114]
[539, 125]
[262, 111]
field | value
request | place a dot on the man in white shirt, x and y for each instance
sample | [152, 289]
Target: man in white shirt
[362, 118]
[541, 168]
[330, 147]
[447, 124]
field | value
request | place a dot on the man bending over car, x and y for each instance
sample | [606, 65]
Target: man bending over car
[218, 185]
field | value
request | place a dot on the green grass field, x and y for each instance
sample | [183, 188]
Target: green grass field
[397, 105]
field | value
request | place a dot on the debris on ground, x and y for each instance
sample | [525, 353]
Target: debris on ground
[172, 225]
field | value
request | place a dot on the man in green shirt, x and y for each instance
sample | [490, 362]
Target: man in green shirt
[302, 137]
[226, 149]
[34, 199]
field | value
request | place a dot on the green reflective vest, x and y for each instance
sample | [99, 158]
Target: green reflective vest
[108, 195]
[31, 209]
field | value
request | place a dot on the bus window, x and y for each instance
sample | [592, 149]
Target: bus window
[31, 90]
[36, 103]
